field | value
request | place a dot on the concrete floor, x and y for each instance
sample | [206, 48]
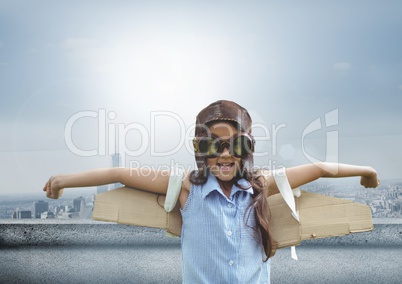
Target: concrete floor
[109, 253]
[162, 264]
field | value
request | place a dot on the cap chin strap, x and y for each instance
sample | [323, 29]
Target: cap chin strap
[289, 196]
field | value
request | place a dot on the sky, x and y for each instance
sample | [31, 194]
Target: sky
[81, 80]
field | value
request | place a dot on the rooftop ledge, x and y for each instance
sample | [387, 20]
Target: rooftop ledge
[50, 232]
[376, 221]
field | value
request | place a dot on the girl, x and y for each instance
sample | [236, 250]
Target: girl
[225, 234]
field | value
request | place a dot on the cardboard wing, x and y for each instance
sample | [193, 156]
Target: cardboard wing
[320, 216]
[136, 207]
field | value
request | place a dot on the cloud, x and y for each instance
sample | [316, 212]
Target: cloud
[342, 66]
[400, 87]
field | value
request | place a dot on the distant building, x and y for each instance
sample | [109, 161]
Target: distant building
[39, 207]
[78, 203]
[116, 163]
[22, 214]
[47, 215]
[58, 209]
[86, 211]
[69, 214]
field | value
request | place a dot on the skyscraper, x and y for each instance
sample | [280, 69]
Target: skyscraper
[116, 163]
[39, 207]
[78, 203]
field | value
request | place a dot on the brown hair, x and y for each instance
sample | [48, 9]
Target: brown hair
[230, 112]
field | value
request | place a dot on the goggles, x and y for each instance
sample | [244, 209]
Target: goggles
[240, 145]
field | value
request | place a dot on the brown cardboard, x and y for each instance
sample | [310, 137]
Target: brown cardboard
[136, 207]
[320, 216]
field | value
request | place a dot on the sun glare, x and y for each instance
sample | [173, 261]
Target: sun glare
[158, 73]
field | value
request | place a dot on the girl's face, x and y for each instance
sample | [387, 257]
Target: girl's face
[225, 166]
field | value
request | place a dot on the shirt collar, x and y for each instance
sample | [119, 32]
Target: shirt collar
[212, 184]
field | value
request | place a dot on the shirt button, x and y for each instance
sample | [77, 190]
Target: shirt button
[231, 262]
[229, 233]
[230, 205]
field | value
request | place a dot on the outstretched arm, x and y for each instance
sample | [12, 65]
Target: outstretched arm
[142, 178]
[301, 175]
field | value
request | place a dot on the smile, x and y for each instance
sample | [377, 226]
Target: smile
[225, 165]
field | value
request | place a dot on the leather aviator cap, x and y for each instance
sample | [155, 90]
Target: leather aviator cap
[224, 110]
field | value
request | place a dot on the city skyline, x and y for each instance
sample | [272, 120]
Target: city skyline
[385, 202]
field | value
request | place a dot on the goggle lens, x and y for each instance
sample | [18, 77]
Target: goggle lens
[208, 146]
[239, 146]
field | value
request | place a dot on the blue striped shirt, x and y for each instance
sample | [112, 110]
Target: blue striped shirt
[217, 245]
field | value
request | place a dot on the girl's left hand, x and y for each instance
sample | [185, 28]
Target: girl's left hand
[52, 188]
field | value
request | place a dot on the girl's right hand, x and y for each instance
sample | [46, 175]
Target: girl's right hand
[52, 188]
[371, 180]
